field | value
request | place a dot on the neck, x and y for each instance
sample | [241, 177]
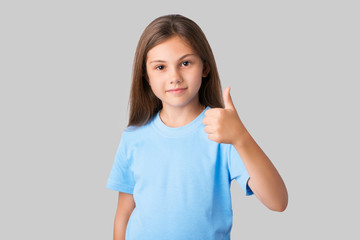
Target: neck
[180, 116]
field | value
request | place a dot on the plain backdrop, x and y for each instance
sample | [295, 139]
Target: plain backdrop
[65, 70]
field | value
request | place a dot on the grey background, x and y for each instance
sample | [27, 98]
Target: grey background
[65, 69]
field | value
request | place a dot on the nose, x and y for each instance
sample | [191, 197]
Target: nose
[175, 76]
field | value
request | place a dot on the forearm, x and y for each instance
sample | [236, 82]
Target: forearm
[120, 225]
[265, 181]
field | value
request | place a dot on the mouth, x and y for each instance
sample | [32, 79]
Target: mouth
[176, 90]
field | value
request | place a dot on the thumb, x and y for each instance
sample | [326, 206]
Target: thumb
[227, 99]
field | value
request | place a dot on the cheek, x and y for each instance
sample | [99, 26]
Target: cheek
[196, 77]
[156, 85]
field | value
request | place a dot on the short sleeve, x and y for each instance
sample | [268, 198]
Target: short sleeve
[238, 171]
[121, 177]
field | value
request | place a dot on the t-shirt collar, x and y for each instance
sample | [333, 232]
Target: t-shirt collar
[177, 131]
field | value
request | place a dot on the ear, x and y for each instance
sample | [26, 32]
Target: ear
[206, 69]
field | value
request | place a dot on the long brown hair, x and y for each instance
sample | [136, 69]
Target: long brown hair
[143, 103]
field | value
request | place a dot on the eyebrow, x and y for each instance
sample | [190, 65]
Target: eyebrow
[186, 55]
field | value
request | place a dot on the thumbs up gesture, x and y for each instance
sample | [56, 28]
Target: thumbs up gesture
[223, 124]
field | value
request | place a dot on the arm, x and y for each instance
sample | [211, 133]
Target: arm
[265, 181]
[225, 126]
[125, 207]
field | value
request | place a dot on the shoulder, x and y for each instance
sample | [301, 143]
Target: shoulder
[133, 134]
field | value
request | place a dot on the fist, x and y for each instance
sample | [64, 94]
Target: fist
[223, 125]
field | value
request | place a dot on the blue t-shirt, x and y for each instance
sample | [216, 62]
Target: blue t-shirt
[180, 181]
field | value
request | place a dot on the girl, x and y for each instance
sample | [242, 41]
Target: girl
[184, 143]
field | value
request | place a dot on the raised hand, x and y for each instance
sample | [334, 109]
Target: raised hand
[223, 124]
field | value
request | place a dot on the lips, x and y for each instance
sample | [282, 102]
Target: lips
[176, 90]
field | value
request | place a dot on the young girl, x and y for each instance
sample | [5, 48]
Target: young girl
[184, 143]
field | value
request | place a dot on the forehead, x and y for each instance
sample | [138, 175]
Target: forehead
[172, 48]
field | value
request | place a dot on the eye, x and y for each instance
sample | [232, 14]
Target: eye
[186, 63]
[160, 67]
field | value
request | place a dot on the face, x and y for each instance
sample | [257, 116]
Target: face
[175, 73]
